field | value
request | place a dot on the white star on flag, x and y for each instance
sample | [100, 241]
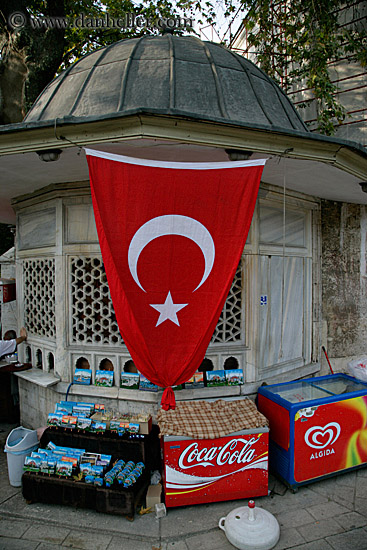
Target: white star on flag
[168, 310]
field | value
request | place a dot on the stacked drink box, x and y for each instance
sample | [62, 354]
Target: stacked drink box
[196, 381]
[232, 377]
[94, 418]
[125, 473]
[83, 377]
[129, 380]
[89, 467]
[104, 378]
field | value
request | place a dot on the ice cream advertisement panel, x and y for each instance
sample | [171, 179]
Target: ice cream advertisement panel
[329, 438]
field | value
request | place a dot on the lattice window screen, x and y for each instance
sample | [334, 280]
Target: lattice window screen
[229, 327]
[93, 318]
[92, 315]
[39, 296]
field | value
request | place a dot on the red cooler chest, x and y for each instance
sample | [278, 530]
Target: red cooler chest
[196, 471]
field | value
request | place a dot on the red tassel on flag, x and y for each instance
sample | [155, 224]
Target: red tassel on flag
[168, 400]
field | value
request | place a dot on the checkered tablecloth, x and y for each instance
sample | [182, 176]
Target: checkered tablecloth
[210, 419]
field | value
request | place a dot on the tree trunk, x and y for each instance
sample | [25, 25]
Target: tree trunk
[29, 59]
[13, 74]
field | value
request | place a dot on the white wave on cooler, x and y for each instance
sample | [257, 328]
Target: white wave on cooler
[178, 480]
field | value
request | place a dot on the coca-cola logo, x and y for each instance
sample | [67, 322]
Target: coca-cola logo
[235, 451]
[319, 437]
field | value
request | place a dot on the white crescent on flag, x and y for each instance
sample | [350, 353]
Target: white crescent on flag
[171, 224]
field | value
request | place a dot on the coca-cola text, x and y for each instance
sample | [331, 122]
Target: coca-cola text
[237, 450]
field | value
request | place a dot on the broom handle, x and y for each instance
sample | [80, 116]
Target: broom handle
[324, 350]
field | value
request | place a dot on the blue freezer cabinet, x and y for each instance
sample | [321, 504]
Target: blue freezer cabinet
[318, 427]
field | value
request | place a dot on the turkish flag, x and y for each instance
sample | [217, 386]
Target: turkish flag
[171, 236]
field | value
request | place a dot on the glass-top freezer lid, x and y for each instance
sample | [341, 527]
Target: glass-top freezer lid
[296, 392]
[316, 388]
[338, 385]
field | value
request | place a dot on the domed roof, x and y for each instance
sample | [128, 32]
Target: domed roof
[169, 75]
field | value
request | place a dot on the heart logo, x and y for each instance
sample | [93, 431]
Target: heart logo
[319, 437]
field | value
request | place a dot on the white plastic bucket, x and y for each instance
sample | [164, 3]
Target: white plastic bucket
[19, 444]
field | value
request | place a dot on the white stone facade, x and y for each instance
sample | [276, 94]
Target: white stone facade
[269, 325]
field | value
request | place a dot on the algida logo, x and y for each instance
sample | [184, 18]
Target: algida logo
[320, 437]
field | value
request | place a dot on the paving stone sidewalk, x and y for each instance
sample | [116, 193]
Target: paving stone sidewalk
[326, 515]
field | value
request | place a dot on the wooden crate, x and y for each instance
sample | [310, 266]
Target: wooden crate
[37, 487]
[145, 450]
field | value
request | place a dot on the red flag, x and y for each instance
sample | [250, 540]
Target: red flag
[171, 236]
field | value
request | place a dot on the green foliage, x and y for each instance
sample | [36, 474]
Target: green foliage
[81, 41]
[44, 49]
[295, 43]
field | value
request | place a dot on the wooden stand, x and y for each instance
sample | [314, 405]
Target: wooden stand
[37, 487]
[51, 489]
[9, 411]
[146, 449]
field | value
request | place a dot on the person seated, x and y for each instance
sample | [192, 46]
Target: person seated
[10, 335]
[8, 346]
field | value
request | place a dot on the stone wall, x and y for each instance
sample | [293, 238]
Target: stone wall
[344, 281]
[37, 401]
